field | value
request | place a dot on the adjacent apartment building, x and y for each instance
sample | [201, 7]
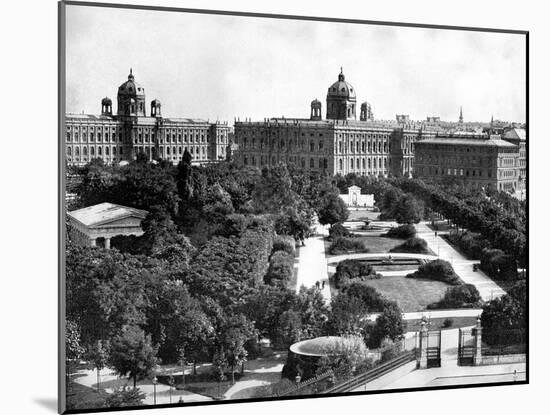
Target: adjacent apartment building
[476, 160]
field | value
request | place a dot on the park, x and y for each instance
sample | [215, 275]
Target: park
[236, 265]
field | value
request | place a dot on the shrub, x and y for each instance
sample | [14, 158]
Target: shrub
[284, 243]
[281, 269]
[402, 231]
[338, 230]
[343, 245]
[345, 357]
[350, 269]
[498, 265]
[125, 397]
[438, 270]
[448, 322]
[412, 245]
[460, 296]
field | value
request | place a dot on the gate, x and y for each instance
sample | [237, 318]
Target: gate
[466, 347]
[433, 350]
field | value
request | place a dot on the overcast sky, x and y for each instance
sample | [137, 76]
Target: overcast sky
[221, 67]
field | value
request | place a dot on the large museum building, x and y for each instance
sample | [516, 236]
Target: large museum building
[119, 137]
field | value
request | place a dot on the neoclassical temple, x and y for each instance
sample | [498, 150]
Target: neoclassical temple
[121, 136]
[96, 225]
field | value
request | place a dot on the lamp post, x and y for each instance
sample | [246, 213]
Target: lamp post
[171, 382]
[155, 380]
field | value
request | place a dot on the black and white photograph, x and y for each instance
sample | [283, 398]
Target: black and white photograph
[260, 207]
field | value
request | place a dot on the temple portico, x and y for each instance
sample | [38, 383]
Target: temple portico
[96, 225]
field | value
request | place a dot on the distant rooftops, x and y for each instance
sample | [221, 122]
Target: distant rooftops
[515, 134]
[468, 139]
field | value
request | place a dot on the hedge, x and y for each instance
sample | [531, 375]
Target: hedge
[412, 245]
[281, 269]
[285, 243]
[402, 231]
[338, 230]
[461, 296]
[350, 270]
[438, 270]
[344, 245]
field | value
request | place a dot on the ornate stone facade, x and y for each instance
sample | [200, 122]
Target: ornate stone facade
[121, 137]
[474, 160]
[338, 145]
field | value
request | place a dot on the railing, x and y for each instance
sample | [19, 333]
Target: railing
[299, 387]
[369, 376]
[503, 350]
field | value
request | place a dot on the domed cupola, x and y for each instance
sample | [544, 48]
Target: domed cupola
[131, 97]
[106, 106]
[315, 110]
[341, 99]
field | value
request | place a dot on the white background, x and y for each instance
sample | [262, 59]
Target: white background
[28, 230]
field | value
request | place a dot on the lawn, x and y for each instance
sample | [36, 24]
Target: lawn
[375, 244]
[83, 397]
[380, 244]
[410, 294]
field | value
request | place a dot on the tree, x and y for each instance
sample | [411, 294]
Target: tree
[388, 325]
[331, 209]
[132, 353]
[232, 336]
[183, 178]
[408, 210]
[106, 290]
[294, 222]
[290, 328]
[504, 315]
[351, 307]
[175, 320]
[98, 355]
[73, 347]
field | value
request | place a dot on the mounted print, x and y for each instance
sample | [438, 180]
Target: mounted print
[258, 207]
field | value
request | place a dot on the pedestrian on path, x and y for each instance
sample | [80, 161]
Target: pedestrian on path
[323, 286]
[436, 234]
[317, 284]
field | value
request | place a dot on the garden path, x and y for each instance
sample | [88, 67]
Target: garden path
[487, 288]
[312, 266]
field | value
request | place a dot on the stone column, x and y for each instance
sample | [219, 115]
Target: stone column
[107, 243]
[92, 242]
[422, 362]
[478, 359]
